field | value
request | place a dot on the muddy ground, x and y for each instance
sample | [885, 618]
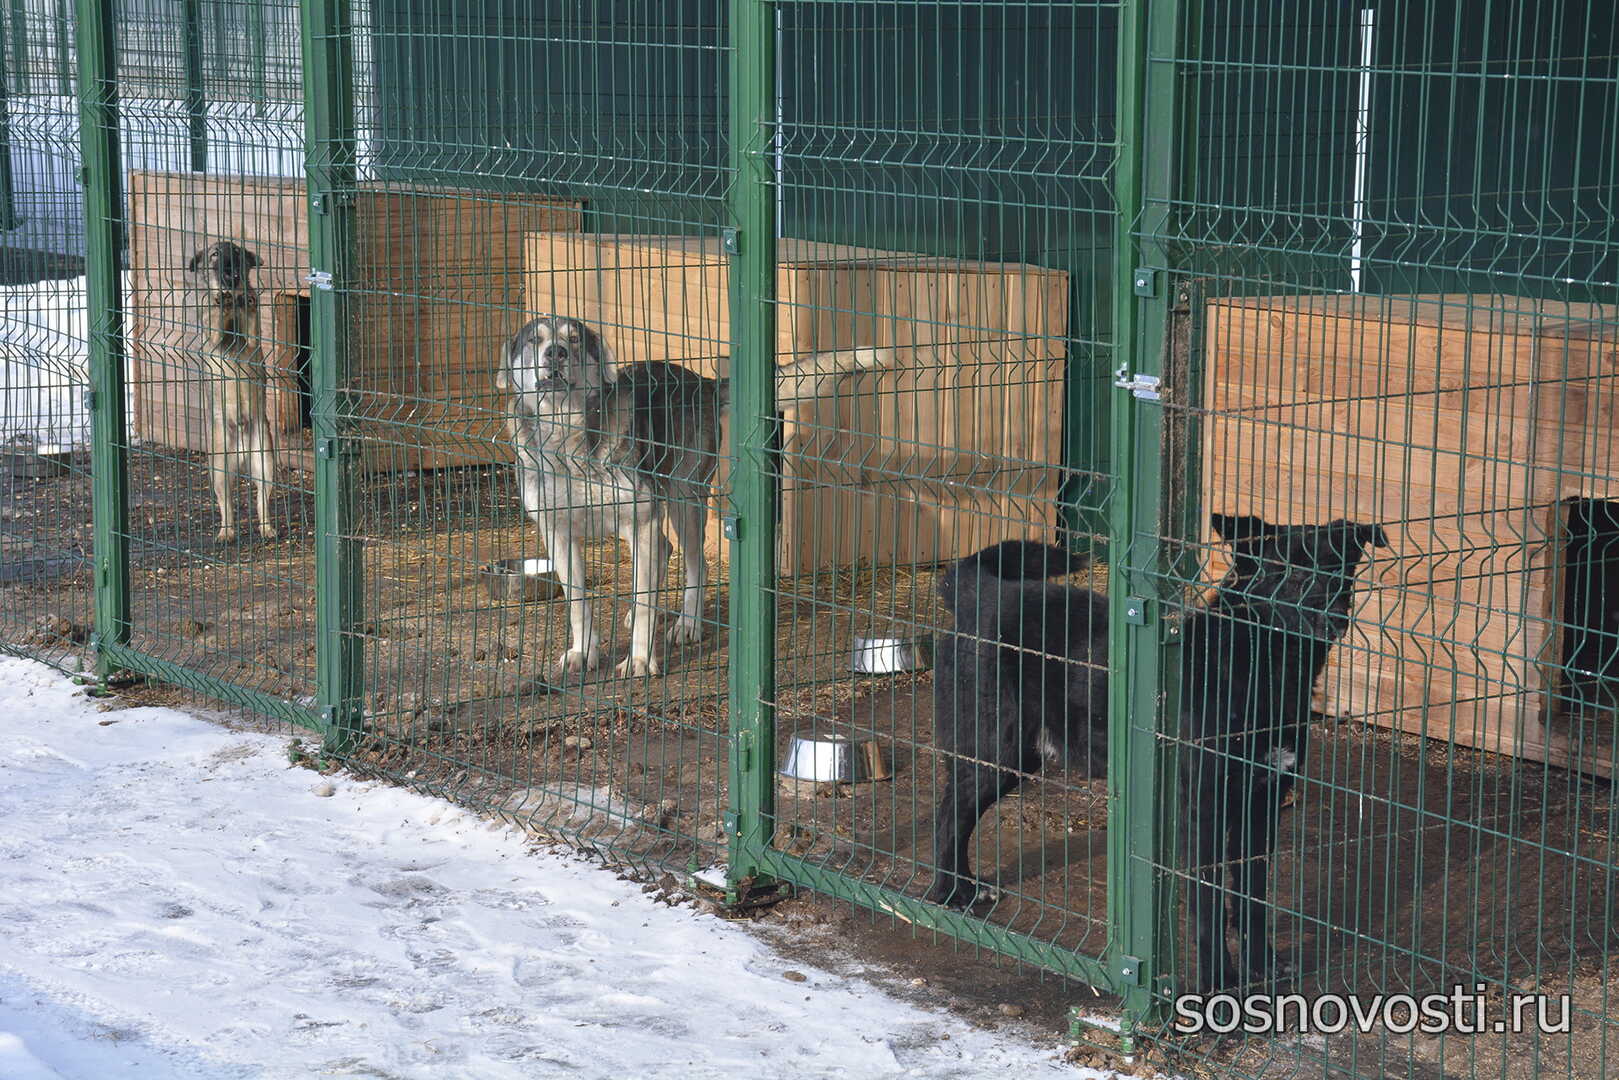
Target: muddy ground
[1405, 865]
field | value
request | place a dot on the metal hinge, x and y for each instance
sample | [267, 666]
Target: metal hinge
[1130, 970]
[90, 401]
[1145, 387]
[731, 241]
[326, 200]
[320, 279]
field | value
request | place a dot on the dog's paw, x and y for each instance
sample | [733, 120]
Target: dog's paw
[576, 660]
[686, 631]
[269, 532]
[1270, 966]
[632, 667]
[960, 892]
[226, 536]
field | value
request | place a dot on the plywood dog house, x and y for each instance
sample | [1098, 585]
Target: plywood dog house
[1463, 424]
[440, 288]
[952, 448]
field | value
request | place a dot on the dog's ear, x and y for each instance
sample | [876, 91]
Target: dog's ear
[195, 262]
[1359, 535]
[250, 260]
[1234, 527]
[1373, 535]
[509, 355]
[597, 346]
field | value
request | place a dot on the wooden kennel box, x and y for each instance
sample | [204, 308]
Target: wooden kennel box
[1460, 423]
[438, 290]
[956, 446]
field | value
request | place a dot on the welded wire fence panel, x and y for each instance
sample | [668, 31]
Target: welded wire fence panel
[956, 219]
[45, 497]
[206, 212]
[544, 614]
[1394, 250]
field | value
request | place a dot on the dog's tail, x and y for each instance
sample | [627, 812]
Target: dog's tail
[814, 375]
[961, 587]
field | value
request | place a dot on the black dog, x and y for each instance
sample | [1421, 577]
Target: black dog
[1022, 679]
[1251, 661]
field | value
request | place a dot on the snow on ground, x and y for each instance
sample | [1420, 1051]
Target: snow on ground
[177, 902]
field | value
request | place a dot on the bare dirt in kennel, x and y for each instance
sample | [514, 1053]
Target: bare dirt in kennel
[459, 706]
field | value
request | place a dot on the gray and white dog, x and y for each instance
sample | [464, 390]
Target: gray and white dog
[604, 449]
[240, 441]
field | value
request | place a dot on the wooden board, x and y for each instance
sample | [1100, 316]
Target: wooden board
[437, 288]
[956, 446]
[1458, 423]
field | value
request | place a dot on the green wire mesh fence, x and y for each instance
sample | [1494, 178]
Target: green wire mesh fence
[1124, 487]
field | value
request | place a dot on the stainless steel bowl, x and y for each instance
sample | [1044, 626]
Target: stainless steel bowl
[29, 462]
[885, 656]
[522, 579]
[837, 758]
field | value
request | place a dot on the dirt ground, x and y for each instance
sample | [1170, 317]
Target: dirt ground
[1406, 865]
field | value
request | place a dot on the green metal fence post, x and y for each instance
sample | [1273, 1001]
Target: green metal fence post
[751, 524]
[196, 99]
[1140, 776]
[329, 159]
[104, 244]
[8, 193]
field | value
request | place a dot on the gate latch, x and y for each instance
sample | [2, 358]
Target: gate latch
[1145, 387]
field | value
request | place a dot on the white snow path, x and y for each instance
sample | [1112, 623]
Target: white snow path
[176, 903]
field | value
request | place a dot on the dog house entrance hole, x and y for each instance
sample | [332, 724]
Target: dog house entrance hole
[1591, 601]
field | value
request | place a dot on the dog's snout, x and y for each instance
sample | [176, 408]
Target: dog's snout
[555, 354]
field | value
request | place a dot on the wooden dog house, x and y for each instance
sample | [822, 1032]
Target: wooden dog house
[439, 289]
[953, 447]
[1462, 424]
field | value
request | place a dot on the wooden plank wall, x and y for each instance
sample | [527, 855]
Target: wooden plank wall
[439, 287]
[955, 447]
[1460, 424]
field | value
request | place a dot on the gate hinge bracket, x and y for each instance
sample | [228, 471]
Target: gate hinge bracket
[320, 279]
[731, 241]
[1130, 971]
[1145, 387]
[325, 201]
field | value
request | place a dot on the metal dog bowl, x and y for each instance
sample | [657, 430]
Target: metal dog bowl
[522, 579]
[836, 758]
[26, 461]
[885, 656]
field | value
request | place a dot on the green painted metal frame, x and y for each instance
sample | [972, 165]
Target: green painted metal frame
[196, 101]
[104, 244]
[329, 155]
[751, 523]
[133, 660]
[8, 189]
[1141, 778]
